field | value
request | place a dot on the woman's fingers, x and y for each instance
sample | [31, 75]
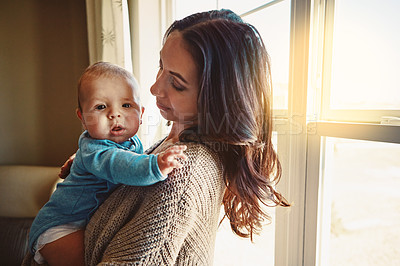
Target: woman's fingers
[65, 169]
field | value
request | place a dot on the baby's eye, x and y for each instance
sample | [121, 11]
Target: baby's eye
[100, 107]
[126, 105]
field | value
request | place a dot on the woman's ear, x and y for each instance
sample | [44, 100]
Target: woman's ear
[141, 114]
[80, 116]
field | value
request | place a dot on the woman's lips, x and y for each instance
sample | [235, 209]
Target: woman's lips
[162, 107]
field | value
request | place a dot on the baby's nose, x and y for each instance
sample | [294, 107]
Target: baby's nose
[114, 114]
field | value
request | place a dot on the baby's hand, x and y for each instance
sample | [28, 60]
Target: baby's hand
[167, 160]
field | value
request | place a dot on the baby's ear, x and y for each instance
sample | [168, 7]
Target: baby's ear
[80, 116]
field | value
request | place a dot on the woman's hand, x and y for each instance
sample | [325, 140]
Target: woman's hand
[167, 160]
[65, 169]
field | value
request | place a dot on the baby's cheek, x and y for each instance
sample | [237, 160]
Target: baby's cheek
[91, 119]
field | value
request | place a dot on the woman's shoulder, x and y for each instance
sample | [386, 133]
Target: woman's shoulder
[197, 153]
[203, 165]
[204, 182]
[200, 149]
[202, 154]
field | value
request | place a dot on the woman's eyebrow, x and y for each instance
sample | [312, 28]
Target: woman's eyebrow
[179, 76]
[174, 73]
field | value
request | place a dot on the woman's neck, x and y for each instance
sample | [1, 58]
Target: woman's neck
[176, 129]
[173, 135]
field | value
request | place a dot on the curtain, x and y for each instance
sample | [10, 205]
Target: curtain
[111, 26]
[108, 32]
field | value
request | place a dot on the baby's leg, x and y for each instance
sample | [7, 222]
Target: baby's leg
[67, 250]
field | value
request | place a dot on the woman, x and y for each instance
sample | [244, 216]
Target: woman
[214, 86]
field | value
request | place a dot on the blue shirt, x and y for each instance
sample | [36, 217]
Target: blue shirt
[98, 168]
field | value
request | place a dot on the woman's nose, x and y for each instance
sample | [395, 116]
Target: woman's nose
[157, 88]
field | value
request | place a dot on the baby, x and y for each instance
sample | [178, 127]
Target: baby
[109, 154]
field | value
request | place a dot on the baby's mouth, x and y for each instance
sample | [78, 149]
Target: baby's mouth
[117, 129]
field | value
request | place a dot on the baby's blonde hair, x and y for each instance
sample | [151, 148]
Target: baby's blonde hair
[107, 70]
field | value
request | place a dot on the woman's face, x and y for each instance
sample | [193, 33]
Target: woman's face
[177, 84]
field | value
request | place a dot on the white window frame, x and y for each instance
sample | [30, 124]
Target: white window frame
[292, 139]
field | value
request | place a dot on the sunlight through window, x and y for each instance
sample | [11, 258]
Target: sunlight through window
[364, 184]
[365, 56]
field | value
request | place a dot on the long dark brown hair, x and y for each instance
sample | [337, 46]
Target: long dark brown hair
[234, 106]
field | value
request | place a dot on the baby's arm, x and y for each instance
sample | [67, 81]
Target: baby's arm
[120, 166]
[167, 160]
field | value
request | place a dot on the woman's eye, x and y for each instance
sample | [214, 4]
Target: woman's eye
[100, 107]
[177, 88]
[126, 105]
[174, 85]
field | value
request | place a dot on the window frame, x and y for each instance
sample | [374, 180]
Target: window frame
[289, 234]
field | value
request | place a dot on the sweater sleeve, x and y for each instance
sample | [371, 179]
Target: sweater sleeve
[162, 224]
[119, 166]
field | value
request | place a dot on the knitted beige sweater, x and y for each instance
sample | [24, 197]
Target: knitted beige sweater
[173, 222]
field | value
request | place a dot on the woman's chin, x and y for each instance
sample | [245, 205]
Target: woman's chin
[166, 115]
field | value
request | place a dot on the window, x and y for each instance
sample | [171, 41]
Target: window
[363, 179]
[358, 45]
[352, 194]
[353, 98]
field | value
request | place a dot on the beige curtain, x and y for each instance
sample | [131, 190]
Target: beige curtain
[108, 32]
[110, 35]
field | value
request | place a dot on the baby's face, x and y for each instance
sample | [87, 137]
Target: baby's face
[110, 108]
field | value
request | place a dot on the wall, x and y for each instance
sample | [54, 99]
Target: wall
[43, 50]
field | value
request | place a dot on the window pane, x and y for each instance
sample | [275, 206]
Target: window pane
[364, 185]
[184, 8]
[273, 23]
[365, 58]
